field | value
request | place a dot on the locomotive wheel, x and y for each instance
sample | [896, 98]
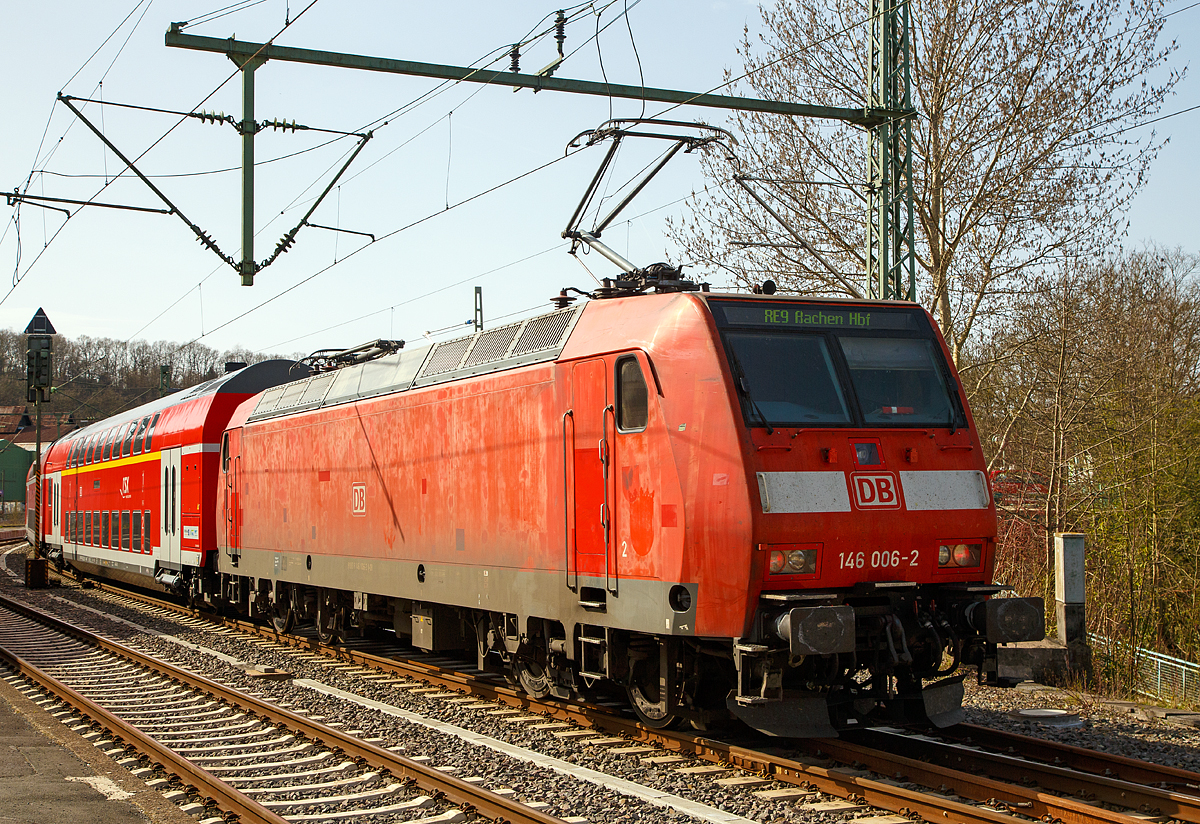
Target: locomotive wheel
[329, 617]
[282, 617]
[531, 676]
[651, 708]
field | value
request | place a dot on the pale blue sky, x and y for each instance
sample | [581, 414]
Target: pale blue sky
[129, 275]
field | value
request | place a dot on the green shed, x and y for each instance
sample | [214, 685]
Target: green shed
[14, 466]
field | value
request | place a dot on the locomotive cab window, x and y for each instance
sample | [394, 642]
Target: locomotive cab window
[633, 399]
[802, 364]
[786, 379]
[897, 380]
[225, 452]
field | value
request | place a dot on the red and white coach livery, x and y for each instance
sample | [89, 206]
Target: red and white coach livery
[133, 497]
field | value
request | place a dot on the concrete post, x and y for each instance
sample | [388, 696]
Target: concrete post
[1069, 598]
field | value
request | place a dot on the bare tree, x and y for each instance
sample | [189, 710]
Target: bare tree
[1021, 150]
[1104, 404]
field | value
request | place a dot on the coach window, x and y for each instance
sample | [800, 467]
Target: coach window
[87, 527]
[146, 531]
[103, 529]
[141, 435]
[150, 432]
[115, 535]
[136, 532]
[108, 442]
[127, 447]
[633, 400]
[125, 536]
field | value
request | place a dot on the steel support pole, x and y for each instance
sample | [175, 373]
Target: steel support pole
[248, 128]
[891, 257]
[242, 50]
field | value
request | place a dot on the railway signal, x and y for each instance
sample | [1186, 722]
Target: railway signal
[39, 377]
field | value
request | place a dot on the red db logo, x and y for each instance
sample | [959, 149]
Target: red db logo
[358, 500]
[876, 491]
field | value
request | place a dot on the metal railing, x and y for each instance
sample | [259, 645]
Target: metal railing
[1159, 676]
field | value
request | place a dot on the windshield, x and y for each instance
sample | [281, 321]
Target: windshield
[789, 377]
[888, 374]
[896, 380]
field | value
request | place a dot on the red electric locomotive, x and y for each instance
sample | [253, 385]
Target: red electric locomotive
[770, 507]
[133, 497]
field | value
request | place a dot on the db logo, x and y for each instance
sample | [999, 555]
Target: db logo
[876, 491]
[358, 499]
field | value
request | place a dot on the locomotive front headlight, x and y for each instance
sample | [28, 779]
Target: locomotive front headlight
[778, 561]
[959, 555]
[802, 561]
[967, 555]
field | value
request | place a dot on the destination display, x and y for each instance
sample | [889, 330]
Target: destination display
[807, 316]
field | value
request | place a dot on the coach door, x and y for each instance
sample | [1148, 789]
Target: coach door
[171, 504]
[231, 468]
[590, 436]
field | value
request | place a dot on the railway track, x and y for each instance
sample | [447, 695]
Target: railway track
[971, 775]
[233, 752]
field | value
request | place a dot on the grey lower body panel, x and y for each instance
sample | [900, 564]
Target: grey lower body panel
[133, 574]
[636, 605]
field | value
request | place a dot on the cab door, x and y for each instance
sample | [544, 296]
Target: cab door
[231, 466]
[590, 551]
[171, 505]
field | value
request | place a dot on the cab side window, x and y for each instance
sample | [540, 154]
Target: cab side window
[633, 399]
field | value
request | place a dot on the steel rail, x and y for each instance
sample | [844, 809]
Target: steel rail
[457, 791]
[1039, 749]
[973, 779]
[226, 797]
[1062, 779]
[837, 781]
